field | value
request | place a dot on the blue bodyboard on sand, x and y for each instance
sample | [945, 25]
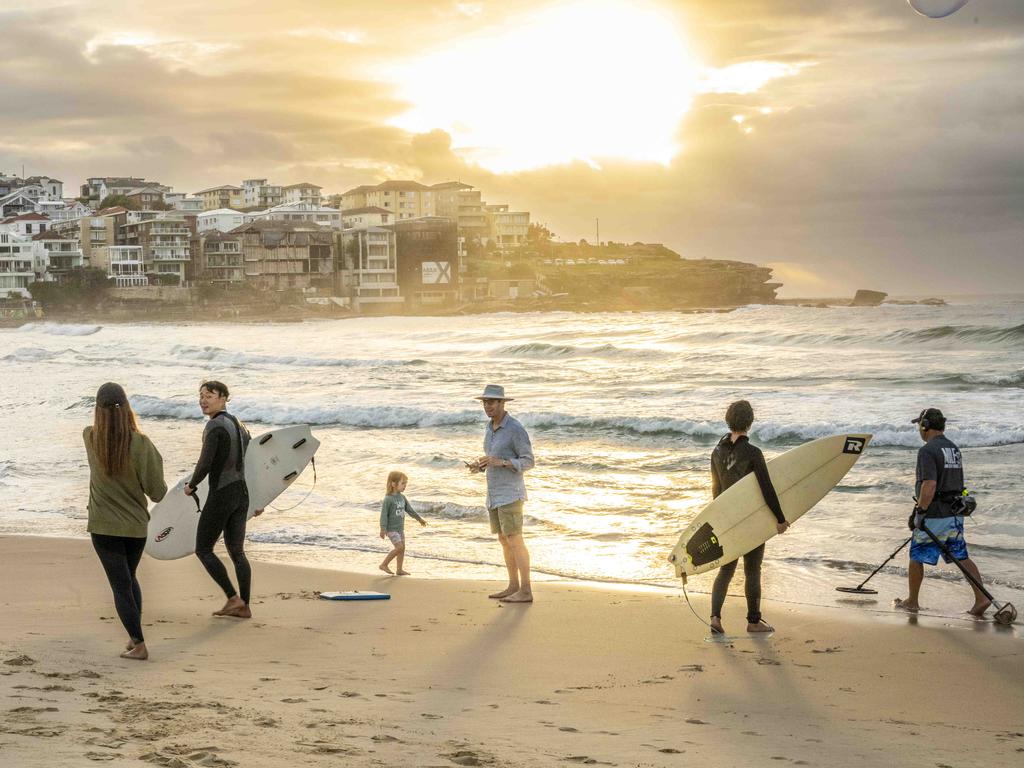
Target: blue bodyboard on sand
[355, 595]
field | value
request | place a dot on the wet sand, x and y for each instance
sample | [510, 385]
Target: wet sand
[441, 676]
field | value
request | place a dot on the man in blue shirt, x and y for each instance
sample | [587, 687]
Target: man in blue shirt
[507, 456]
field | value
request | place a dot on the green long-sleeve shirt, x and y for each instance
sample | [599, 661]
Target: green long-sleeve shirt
[392, 513]
[117, 505]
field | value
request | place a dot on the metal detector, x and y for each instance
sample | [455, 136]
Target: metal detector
[860, 589]
[1005, 613]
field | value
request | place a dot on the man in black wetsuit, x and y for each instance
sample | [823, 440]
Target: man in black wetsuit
[734, 458]
[227, 504]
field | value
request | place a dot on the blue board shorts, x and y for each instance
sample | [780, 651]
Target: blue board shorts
[948, 530]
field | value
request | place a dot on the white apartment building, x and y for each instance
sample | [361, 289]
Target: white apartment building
[124, 263]
[371, 256]
[314, 214]
[361, 218]
[301, 193]
[58, 254]
[403, 199]
[165, 244]
[183, 203]
[506, 229]
[27, 224]
[16, 265]
[256, 193]
[219, 220]
[62, 210]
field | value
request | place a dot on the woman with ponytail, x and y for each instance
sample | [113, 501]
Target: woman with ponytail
[124, 468]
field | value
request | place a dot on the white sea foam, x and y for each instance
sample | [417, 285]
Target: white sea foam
[242, 359]
[402, 417]
[61, 329]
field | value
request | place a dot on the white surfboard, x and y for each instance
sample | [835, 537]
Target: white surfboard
[272, 462]
[739, 520]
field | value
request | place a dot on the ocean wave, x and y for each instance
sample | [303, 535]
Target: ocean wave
[33, 355]
[401, 417]
[984, 335]
[542, 350]
[1009, 381]
[242, 359]
[61, 329]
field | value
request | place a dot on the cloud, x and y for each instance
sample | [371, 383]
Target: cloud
[896, 155]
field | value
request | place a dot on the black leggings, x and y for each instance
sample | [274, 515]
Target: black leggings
[751, 586]
[225, 512]
[120, 556]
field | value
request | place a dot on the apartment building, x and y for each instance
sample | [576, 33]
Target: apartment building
[27, 224]
[62, 210]
[124, 263]
[301, 193]
[98, 187]
[221, 259]
[59, 253]
[506, 229]
[165, 243]
[224, 196]
[91, 232]
[314, 214]
[403, 199]
[145, 197]
[370, 216]
[181, 202]
[16, 265]
[219, 220]
[280, 255]
[368, 257]
[45, 187]
[256, 193]
[428, 260]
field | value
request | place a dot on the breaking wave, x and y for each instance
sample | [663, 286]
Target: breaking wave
[539, 349]
[240, 359]
[398, 417]
[61, 329]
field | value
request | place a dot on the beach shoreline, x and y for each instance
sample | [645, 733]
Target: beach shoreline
[439, 675]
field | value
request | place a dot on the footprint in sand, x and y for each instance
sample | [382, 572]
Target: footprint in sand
[101, 757]
[568, 729]
[20, 661]
[467, 757]
[695, 721]
[769, 662]
[430, 716]
[671, 751]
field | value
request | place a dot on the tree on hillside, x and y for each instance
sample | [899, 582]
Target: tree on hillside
[111, 201]
[81, 288]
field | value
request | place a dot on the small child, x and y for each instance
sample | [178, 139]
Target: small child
[392, 521]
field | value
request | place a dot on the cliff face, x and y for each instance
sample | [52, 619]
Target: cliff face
[652, 277]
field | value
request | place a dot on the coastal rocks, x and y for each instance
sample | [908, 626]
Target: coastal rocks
[866, 298]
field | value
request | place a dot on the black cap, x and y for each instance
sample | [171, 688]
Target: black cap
[111, 395]
[931, 418]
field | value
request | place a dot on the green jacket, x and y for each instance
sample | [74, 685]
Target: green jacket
[117, 505]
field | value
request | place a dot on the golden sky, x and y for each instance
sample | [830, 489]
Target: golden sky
[851, 143]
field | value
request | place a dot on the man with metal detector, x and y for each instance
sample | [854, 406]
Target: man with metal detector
[938, 517]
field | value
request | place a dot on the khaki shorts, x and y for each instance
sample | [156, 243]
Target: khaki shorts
[507, 519]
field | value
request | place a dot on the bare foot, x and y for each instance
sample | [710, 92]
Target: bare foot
[716, 626]
[137, 652]
[242, 612]
[129, 645]
[233, 604]
[905, 605]
[518, 597]
[403, 573]
[386, 569]
[980, 608]
[761, 626]
[509, 590]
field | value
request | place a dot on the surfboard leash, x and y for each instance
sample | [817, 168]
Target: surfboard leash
[697, 615]
[312, 462]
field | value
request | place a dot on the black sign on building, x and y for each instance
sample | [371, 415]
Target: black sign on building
[428, 260]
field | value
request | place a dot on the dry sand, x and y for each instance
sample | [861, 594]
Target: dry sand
[442, 676]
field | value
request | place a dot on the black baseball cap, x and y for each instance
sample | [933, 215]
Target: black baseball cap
[933, 416]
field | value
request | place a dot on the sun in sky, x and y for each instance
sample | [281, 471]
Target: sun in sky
[574, 81]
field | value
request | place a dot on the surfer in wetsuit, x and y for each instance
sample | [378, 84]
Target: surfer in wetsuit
[734, 458]
[227, 504]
